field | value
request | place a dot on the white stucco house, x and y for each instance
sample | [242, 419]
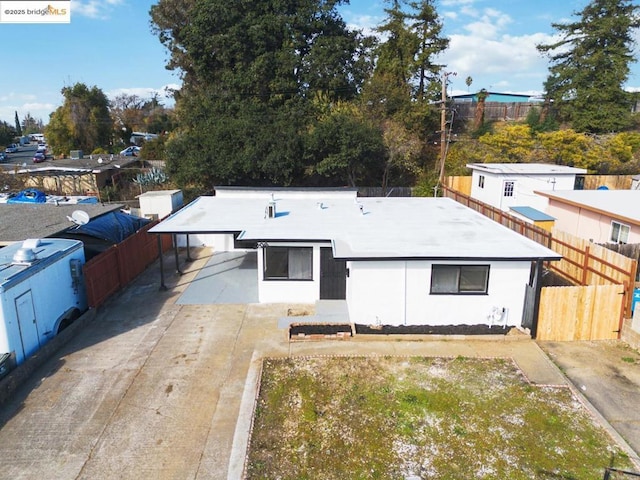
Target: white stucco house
[506, 185]
[602, 216]
[395, 261]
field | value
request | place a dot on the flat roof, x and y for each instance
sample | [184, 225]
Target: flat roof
[526, 168]
[621, 204]
[434, 228]
[47, 251]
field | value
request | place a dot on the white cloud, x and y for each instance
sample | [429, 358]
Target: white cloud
[504, 60]
[98, 9]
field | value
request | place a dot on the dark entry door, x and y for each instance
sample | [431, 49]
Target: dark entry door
[333, 276]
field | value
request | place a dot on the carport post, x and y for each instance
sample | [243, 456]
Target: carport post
[162, 285]
[175, 252]
[189, 259]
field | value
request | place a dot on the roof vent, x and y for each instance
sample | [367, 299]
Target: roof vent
[24, 256]
[270, 211]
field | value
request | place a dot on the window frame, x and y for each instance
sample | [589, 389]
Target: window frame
[280, 249]
[459, 276]
[509, 188]
[623, 230]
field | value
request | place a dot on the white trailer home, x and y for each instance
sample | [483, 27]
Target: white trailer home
[41, 292]
[394, 261]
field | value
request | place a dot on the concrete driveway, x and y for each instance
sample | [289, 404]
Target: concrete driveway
[607, 373]
[154, 389]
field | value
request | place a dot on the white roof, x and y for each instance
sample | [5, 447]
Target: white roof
[436, 228]
[621, 204]
[525, 169]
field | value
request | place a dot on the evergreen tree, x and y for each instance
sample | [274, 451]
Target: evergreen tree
[18, 126]
[251, 72]
[590, 65]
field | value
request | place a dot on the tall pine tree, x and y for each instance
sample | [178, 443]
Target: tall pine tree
[590, 65]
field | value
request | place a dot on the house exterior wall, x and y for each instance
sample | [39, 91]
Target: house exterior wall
[587, 224]
[523, 192]
[397, 293]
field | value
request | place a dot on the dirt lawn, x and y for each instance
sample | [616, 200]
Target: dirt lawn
[420, 418]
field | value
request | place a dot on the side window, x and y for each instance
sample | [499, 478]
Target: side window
[288, 263]
[619, 232]
[459, 279]
[481, 181]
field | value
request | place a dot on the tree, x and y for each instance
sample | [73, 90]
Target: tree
[250, 73]
[590, 65]
[18, 126]
[31, 125]
[346, 149]
[407, 57]
[7, 133]
[428, 28]
[82, 122]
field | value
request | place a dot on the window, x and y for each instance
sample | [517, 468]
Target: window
[481, 181]
[459, 279]
[508, 189]
[619, 232]
[288, 263]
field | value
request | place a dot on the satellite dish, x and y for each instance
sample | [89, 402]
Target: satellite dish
[80, 217]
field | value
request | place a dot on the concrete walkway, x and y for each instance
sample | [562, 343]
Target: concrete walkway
[153, 389]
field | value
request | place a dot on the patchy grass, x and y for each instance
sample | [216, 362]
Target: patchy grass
[417, 417]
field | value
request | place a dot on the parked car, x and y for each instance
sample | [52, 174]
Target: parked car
[132, 151]
[42, 149]
[3, 157]
[13, 148]
[39, 157]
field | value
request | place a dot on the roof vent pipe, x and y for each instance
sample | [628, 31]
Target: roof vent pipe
[270, 211]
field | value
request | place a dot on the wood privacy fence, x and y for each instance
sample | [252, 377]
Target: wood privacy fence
[579, 313]
[595, 308]
[113, 269]
[529, 230]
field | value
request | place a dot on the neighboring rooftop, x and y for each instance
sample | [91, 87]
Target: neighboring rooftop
[434, 228]
[533, 214]
[621, 204]
[526, 168]
[21, 221]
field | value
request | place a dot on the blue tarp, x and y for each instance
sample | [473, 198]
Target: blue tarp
[30, 195]
[113, 227]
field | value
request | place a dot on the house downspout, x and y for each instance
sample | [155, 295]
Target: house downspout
[537, 278]
[404, 308]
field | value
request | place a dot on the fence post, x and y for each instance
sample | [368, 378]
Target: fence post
[585, 265]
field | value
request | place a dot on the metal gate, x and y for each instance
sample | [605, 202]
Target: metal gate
[333, 276]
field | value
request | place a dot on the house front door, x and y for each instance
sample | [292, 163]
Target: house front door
[333, 276]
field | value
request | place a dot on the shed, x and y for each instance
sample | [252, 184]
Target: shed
[505, 185]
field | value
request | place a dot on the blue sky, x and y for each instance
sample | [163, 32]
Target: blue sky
[109, 44]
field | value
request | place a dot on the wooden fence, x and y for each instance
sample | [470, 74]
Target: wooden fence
[614, 182]
[604, 281]
[113, 269]
[579, 313]
[529, 230]
[461, 184]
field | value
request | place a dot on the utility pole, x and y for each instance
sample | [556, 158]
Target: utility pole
[443, 126]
